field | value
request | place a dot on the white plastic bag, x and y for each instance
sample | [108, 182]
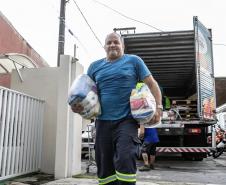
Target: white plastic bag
[84, 92]
[142, 104]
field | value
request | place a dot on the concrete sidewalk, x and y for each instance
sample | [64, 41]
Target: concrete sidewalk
[45, 179]
[143, 178]
[76, 181]
[83, 179]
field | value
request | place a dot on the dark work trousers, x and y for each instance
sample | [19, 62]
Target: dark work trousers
[117, 148]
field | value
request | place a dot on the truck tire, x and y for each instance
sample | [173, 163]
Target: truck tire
[198, 158]
[193, 156]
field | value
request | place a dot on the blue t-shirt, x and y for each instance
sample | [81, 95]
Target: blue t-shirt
[151, 135]
[115, 81]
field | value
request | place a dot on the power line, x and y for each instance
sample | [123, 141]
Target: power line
[219, 44]
[73, 35]
[70, 31]
[88, 23]
[127, 16]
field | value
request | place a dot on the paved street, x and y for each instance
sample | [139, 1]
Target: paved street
[208, 171]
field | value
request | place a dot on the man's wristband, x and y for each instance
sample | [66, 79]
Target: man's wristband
[159, 107]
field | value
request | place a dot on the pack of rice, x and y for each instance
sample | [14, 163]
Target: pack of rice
[142, 104]
[84, 92]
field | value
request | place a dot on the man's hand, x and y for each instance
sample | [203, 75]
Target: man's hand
[157, 117]
[77, 108]
[141, 132]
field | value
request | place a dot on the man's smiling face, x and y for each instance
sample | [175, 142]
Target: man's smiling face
[114, 47]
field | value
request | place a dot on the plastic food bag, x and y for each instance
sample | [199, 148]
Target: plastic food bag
[142, 104]
[84, 92]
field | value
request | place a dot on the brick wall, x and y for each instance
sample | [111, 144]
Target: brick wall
[12, 42]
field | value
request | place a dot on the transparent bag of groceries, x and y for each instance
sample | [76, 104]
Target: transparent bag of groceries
[83, 91]
[142, 104]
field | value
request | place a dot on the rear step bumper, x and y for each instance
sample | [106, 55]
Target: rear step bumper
[183, 149]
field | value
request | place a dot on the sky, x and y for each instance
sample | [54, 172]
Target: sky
[38, 22]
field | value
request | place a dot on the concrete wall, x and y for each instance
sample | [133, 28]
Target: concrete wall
[69, 125]
[42, 83]
[48, 84]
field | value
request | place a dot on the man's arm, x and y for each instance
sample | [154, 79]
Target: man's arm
[155, 90]
[141, 132]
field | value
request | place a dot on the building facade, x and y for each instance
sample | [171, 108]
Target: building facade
[12, 42]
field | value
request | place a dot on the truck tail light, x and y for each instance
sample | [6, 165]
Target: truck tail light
[194, 130]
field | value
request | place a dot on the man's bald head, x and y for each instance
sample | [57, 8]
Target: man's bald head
[114, 46]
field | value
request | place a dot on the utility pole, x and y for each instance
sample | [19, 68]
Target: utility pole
[61, 38]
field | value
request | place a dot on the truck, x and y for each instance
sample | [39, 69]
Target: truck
[182, 64]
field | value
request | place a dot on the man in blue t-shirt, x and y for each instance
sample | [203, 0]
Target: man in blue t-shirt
[117, 143]
[150, 137]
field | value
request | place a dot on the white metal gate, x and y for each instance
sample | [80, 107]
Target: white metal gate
[21, 120]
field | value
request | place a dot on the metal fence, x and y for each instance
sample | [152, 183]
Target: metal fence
[21, 120]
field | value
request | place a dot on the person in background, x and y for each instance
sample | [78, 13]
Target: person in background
[148, 151]
[117, 142]
[166, 103]
[165, 100]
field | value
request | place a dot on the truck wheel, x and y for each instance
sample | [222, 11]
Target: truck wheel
[198, 158]
[193, 156]
[187, 157]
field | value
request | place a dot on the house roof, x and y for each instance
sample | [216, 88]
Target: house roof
[10, 61]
